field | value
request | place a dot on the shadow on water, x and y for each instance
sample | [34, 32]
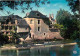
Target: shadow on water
[45, 51]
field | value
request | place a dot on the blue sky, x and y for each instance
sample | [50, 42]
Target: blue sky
[46, 9]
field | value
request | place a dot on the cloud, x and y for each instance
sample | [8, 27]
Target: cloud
[55, 4]
[58, 5]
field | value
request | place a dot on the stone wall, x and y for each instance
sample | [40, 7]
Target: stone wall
[44, 32]
[35, 34]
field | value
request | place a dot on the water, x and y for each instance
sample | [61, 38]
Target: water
[71, 50]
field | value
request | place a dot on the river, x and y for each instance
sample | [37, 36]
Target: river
[69, 50]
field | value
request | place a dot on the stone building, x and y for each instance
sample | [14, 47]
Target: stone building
[8, 24]
[34, 26]
[23, 29]
[39, 27]
[52, 20]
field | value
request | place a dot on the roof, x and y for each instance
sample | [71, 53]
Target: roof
[3, 18]
[22, 23]
[11, 17]
[36, 14]
[22, 26]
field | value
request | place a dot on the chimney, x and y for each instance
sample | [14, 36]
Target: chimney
[27, 14]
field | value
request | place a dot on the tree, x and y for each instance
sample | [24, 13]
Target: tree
[71, 31]
[74, 5]
[3, 39]
[75, 28]
[70, 23]
[58, 26]
[62, 15]
[14, 5]
[15, 37]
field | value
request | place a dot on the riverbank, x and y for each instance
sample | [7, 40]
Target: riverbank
[35, 46]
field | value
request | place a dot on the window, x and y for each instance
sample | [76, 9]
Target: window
[10, 27]
[44, 33]
[31, 21]
[37, 14]
[6, 27]
[29, 35]
[38, 21]
[2, 27]
[6, 32]
[38, 28]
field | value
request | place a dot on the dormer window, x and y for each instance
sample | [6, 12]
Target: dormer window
[37, 14]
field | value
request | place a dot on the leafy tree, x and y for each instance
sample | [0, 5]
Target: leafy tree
[58, 26]
[75, 28]
[74, 5]
[70, 23]
[62, 15]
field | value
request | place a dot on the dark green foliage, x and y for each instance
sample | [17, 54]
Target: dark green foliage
[63, 33]
[15, 38]
[74, 5]
[75, 28]
[72, 31]
[3, 39]
[61, 15]
[71, 25]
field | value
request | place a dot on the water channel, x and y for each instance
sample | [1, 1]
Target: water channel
[69, 50]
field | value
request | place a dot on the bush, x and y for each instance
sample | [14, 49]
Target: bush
[3, 39]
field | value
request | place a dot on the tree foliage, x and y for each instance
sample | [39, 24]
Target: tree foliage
[62, 15]
[15, 37]
[15, 5]
[74, 5]
[3, 39]
[70, 23]
[58, 26]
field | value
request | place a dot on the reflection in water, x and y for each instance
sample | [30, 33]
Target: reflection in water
[53, 53]
[46, 51]
[8, 52]
[76, 51]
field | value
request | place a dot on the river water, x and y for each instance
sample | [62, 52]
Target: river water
[71, 50]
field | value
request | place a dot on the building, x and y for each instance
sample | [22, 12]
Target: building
[23, 29]
[39, 25]
[34, 26]
[52, 20]
[8, 24]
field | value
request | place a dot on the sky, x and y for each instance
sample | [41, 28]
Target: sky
[46, 9]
